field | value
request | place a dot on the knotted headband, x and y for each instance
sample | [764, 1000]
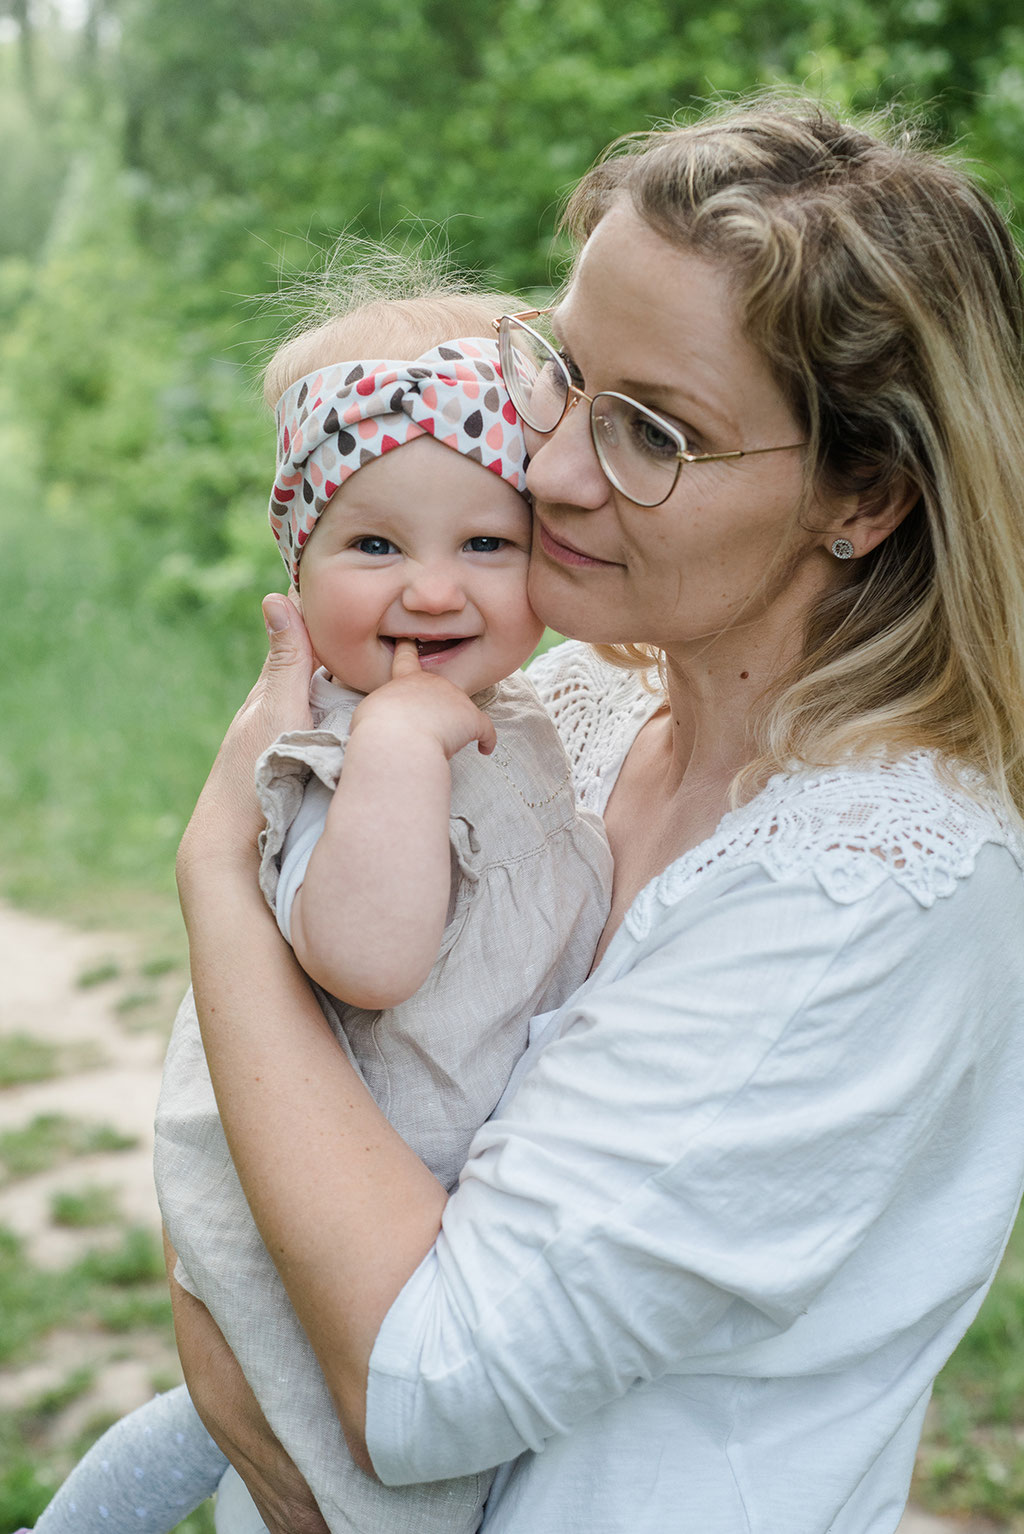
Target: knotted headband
[337, 420]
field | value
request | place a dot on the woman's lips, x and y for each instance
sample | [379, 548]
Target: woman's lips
[564, 553]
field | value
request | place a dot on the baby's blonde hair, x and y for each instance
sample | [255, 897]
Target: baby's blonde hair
[372, 301]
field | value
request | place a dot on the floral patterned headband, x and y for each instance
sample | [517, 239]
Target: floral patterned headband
[337, 420]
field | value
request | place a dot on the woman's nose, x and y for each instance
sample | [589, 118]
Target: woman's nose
[563, 465]
[433, 588]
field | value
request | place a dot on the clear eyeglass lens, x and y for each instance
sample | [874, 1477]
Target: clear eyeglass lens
[534, 375]
[635, 451]
[639, 457]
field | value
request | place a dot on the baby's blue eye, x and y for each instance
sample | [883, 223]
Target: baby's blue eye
[485, 545]
[376, 545]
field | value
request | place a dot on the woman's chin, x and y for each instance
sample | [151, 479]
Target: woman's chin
[559, 602]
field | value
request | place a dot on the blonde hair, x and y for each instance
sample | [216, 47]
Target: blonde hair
[883, 289]
[377, 301]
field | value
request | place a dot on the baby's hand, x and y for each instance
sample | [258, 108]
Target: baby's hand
[424, 704]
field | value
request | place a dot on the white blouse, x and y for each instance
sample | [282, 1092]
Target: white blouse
[748, 1186]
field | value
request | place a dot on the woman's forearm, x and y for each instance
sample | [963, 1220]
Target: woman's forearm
[346, 1210]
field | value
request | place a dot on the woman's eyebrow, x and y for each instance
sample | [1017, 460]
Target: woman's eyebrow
[670, 399]
[679, 402]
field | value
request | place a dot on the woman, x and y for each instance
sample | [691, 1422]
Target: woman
[747, 1189]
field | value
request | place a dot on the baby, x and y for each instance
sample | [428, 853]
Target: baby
[435, 913]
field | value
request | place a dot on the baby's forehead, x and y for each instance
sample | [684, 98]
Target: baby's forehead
[422, 480]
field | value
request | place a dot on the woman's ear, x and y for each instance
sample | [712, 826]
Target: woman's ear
[869, 517]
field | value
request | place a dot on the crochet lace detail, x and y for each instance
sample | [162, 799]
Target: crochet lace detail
[597, 710]
[852, 826]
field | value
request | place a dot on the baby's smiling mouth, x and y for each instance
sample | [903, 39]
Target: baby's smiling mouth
[429, 646]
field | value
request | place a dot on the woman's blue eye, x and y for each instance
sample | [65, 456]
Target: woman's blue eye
[376, 545]
[650, 438]
[485, 545]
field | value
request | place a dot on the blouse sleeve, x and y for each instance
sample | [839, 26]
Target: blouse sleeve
[734, 1106]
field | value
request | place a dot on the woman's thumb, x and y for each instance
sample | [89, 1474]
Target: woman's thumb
[289, 642]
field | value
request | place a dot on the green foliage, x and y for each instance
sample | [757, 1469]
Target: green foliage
[972, 1454]
[160, 173]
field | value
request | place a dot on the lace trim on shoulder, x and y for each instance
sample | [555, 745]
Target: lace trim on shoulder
[852, 827]
[597, 710]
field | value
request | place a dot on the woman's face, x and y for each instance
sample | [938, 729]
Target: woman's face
[724, 551]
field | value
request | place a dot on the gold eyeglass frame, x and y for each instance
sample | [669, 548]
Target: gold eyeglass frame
[574, 394]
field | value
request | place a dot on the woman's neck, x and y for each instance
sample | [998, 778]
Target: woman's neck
[714, 691]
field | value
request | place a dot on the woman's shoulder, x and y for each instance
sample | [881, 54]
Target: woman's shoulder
[851, 830]
[597, 710]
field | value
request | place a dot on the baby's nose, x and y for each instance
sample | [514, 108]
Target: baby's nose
[434, 589]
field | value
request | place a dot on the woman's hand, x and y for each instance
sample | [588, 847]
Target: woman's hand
[424, 706]
[232, 1417]
[226, 820]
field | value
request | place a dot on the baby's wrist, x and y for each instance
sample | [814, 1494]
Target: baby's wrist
[391, 731]
[394, 738]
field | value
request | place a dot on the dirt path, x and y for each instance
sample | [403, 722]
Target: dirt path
[109, 1060]
[110, 1035]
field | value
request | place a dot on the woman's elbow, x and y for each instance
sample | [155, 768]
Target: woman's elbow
[351, 1408]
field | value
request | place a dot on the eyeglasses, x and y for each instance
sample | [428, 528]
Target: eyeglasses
[639, 451]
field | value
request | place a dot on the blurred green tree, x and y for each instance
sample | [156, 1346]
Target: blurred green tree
[166, 160]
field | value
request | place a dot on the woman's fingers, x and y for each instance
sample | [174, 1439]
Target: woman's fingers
[227, 818]
[286, 632]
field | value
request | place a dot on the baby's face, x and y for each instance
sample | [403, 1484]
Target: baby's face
[421, 544]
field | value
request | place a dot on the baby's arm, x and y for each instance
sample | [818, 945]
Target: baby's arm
[368, 920]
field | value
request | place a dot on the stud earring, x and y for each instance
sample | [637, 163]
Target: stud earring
[842, 548]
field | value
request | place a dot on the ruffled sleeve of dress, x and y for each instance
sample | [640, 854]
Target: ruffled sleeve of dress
[284, 772]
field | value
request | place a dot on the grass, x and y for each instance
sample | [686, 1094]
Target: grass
[53, 1138]
[24, 1059]
[120, 1293]
[110, 1289]
[84, 1208]
[120, 706]
[98, 974]
[971, 1459]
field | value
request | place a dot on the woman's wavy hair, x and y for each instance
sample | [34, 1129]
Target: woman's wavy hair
[883, 289]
